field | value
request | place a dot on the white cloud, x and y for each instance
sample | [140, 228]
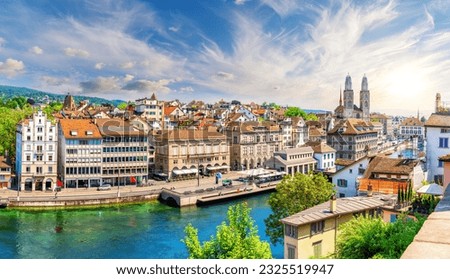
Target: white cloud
[174, 29]
[11, 67]
[284, 7]
[128, 78]
[240, 2]
[100, 84]
[54, 81]
[99, 66]
[75, 52]
[36, 50]
[224, 75]
[187, 89]
[127, 65]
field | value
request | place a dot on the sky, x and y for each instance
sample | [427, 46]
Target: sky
[290, 52]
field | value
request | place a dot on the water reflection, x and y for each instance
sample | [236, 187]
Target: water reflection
[145, 231]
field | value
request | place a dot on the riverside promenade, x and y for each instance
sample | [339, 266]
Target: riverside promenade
[202, 189]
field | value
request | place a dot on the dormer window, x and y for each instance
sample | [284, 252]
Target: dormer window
[73, 133]
[89, 133]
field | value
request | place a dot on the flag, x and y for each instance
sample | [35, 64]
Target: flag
[133, 179]
[59, 183]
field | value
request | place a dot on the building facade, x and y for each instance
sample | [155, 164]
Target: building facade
[5, 172]
[347, 178]
[293, 160]
[252, 143]
[437, 144]
[312, 232]
[80, 153]
[183, 154]
[347, 108]
[353, 139]
[36, 153]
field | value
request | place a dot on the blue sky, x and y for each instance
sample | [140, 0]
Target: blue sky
[291, 52]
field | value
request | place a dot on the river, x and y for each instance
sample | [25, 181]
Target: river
[145, 231]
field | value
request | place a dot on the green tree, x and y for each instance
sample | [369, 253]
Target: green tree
[294, 112]
[122, 106]
[294, 194]
[367, 238]
[237, 239]
[9, 117]
[298, 112]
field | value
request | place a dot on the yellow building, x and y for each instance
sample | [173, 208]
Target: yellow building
[313, 232]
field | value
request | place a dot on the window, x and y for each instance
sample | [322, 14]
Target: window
[38, 157]
[28, 158]
[39, 129]
[50, 157]
[438, 179]
[39, 170]
[317, 227]
[350, 171]
[39, 138]
[291, 252]
[291, 231]
[341, 195]
[443, 142]
[440, 164]
[342, 182]
[50, 169]
[27, 169]
[317, 247]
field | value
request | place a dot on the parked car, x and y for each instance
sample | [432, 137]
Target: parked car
[104, 187]
[227, 182]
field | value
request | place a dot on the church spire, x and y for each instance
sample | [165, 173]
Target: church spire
[340, 96]
[348, 82]
[364, 83]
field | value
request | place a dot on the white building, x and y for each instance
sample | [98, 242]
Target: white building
[325, 156]
[150, 108]
[437, 144]
[293, 160]
[36, 153]
[80, 153]
[347, 178]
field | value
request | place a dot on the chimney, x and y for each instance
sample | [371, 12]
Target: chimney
[369, 190]
[333, 204]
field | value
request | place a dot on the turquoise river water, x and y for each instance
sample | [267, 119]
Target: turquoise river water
[145, 231]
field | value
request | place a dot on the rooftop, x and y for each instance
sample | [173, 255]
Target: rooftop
[79, 129]
[438, 120]
[343, 206]
[386, 165]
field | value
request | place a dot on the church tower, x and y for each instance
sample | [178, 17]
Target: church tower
[438, 103]
[348, 97]
[364, 99]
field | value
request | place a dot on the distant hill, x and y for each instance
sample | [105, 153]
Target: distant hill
[45, 97]
[316, 111]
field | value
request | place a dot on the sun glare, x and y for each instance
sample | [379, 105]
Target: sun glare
[406, 84]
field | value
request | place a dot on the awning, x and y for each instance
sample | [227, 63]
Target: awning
[432, 189]
[185, 171]
[218, 167]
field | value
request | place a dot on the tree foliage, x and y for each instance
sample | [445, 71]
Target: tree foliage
[294, 194]
[122, 106]
[11, 112]
[368, 238]
[298, 112]
[237, 239]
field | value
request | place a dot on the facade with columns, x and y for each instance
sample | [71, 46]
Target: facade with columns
[36, 153]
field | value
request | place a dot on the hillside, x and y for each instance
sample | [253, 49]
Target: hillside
[44, 97]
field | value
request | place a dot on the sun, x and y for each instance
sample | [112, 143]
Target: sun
[406, 83]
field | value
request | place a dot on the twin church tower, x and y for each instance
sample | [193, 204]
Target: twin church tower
[347, 107]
